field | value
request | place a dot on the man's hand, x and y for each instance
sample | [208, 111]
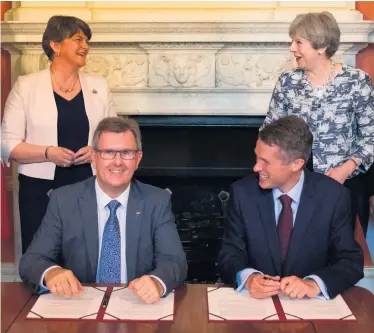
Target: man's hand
[295, 287]
[62, 282]
[262, 286]
[147, 288]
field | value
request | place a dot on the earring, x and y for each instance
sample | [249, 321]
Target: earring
[320, 52]
[58, 53]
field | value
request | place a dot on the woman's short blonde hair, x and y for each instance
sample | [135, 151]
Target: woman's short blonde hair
[321, 29]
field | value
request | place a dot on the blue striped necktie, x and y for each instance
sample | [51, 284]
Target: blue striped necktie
[110, 258]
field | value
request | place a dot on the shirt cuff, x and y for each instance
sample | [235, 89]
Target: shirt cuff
[162, 284]
[321, 285]
[242, 277]
[41, 283]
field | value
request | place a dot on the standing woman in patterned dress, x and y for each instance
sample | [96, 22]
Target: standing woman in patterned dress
[335, 100]
[49, 120]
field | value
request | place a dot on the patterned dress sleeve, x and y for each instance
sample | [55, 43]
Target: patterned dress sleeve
[277, 106]
[364, 114]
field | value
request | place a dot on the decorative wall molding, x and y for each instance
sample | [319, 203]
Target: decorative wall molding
[178, 11]
[269, 31]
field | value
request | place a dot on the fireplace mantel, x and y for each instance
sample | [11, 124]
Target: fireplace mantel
[179, 68]
[203, 31]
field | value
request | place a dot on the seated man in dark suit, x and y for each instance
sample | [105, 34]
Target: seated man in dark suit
[108, 229]
[288, 230]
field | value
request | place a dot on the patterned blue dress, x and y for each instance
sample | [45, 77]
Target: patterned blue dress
[340, 116]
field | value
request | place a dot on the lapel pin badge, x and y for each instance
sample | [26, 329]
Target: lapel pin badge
[138, 213]
[94, 91]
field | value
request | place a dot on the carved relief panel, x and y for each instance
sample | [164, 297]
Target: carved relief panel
[120, 70]
[252, 65]
[181, 70]
[182, 65]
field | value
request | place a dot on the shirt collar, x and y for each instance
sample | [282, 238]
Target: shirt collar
[293, 193]
[103, 199]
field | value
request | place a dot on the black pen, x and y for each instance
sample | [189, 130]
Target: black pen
[269, 279]
[105, 302]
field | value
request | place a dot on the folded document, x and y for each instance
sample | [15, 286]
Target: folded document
[102, 303]
[225, 304]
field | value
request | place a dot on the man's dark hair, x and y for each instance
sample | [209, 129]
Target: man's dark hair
[61, 27]
[292, 135]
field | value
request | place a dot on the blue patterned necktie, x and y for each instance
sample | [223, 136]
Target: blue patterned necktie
[110, 258]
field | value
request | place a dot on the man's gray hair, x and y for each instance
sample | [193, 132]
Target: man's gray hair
[321, 29]
[292, 135]
[117, 125]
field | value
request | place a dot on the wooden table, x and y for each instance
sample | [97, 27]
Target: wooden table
[14, 297]
[191, 317]
[361, 302]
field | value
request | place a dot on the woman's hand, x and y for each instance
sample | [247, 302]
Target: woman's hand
[83, 155]
[342, 172]
[60, 156]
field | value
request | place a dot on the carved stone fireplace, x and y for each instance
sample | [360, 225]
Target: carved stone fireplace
[183, 71]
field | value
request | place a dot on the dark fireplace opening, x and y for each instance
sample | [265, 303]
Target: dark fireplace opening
[197, 159]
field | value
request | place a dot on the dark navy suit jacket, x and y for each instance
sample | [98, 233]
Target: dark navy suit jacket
[321, 243]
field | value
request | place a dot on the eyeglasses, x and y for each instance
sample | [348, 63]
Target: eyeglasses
[126, 154]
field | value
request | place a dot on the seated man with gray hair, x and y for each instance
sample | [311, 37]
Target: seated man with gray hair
[108, 229]
[288, 229]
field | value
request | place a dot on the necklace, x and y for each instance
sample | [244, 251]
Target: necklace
[63, 89]
[329, 79]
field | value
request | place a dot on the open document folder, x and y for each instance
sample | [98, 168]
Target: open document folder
[225, 304]
[85, 306]
[315, 309]
[125, 305]
[102, 303]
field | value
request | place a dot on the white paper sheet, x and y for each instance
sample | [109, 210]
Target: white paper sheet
[84, 306]
[227, 304]
[125, 305]
[316, 308]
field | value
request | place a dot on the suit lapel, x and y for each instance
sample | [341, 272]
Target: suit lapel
[266, 207]
[48, 113]
[134, 216]
[88, 210]
[304, 216]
